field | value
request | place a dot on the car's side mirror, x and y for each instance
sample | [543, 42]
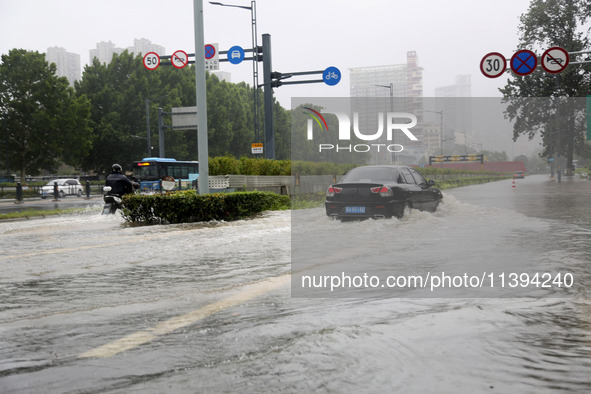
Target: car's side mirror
[430, 183]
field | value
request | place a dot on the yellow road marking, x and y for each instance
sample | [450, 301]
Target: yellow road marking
[139, 338]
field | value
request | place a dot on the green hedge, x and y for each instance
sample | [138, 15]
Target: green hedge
[458, 182]
[224, 165]
[188, 206]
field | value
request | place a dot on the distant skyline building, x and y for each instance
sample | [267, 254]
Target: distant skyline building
[143, 46]
[461, 88]
[455, 102]
[104, 51]
[223, 75]
[67, 63]
[403, 84]
[406, 79]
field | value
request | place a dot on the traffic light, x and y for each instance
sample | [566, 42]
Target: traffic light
[276, 78]
[258, 54]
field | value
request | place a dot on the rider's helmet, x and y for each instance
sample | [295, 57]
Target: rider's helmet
[117, 169]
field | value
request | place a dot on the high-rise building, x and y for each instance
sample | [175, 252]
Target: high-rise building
[143, 46]
[461, 88]
[406, 80]
[67, 63]
[223, 75]
[390, 88]
[105, 50]
[456, 103]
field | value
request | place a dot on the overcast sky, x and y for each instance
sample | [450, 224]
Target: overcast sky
[450, 37]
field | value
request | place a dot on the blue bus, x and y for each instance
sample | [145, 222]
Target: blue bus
[151, 170]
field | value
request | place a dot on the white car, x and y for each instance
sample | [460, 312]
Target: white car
[64, 186]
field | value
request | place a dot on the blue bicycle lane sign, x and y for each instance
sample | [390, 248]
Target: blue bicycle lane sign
[331, 76]
[524, 62]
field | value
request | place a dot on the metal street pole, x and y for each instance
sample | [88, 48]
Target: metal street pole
[148, 127]
[268, 98]
[201, 96]
[440, 128]
[148, 101]
[255, 60]
[160, 132]
[391, 87]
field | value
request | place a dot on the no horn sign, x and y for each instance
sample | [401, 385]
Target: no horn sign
[555, 60]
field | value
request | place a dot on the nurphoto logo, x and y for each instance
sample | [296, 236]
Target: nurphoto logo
[390, 123]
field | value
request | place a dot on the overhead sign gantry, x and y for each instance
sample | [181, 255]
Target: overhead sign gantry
[331, 76]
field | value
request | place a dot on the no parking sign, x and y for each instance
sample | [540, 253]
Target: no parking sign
[524, 62]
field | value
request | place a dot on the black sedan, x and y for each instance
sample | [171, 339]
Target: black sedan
[381, 191]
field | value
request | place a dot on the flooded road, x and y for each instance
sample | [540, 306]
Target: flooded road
[91, 304]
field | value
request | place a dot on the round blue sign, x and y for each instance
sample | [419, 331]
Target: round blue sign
[331, 76]
[235, 54]
[524, 62]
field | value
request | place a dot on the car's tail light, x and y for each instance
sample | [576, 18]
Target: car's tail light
[384, 191]
[332, 190]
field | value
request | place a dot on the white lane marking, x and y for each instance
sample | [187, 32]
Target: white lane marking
[139, 338]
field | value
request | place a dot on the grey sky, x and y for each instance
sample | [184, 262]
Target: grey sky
[450, 37]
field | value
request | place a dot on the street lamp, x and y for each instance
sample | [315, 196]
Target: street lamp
[255, 62]
[391, 87]
[440, 128]
[148, 120]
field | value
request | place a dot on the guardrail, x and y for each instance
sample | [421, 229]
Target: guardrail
[287, 185]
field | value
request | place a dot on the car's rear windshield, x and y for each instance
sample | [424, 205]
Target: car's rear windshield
[368, 175]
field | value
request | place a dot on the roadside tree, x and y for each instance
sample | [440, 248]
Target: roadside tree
[544, 103]
[45, 121]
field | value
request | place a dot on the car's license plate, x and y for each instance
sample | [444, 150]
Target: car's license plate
[354, 209]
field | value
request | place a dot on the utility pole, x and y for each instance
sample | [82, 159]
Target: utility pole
[268, 98]
[201, 97]
[255, 58]
[160, 132]
[391, 87]
[148, 127]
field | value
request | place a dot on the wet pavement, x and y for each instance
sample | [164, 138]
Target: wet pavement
[48, 204]
[93, 304]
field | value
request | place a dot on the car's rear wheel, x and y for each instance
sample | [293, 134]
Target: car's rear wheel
[405, 211]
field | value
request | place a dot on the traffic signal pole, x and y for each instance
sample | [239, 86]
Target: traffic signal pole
[268, 98]
[271, 79]
[201, 97]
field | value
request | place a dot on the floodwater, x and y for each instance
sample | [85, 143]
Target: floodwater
[92, 304]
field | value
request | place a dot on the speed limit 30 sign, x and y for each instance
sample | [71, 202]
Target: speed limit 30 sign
[493, 65]
[151, 60]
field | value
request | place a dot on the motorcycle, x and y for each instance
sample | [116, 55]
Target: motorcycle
[112, 202]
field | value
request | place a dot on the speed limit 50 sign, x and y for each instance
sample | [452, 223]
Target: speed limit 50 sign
[493, 65]
[151, 60]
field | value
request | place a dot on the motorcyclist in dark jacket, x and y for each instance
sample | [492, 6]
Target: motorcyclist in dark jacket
[120, 184]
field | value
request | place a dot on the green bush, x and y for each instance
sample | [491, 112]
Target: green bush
[458, 182]
[258, 166]
[188, 206]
